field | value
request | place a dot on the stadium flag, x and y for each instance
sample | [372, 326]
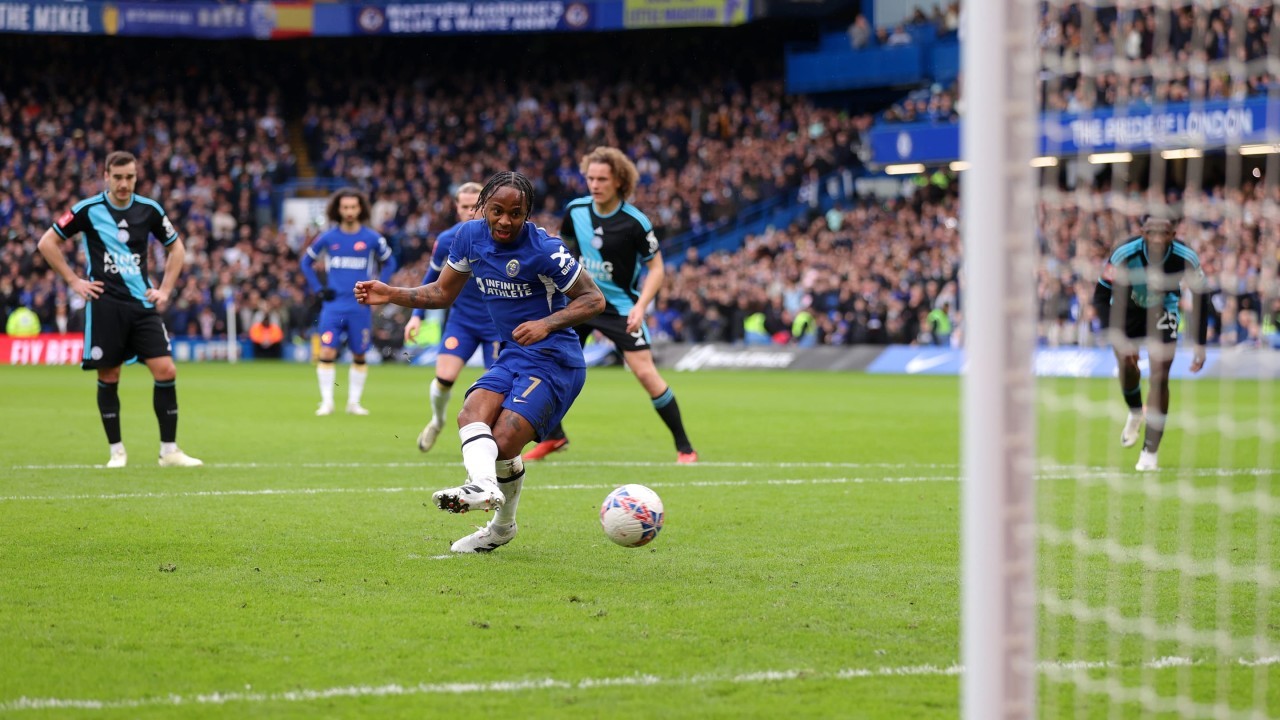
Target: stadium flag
[293, 20]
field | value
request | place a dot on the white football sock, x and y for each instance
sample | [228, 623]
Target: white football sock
[510, 481]
[326, 374]
[356, 376]
[479, 453]
[439, 402]
[166, 448]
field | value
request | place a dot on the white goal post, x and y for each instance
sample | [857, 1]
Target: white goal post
[998, 619]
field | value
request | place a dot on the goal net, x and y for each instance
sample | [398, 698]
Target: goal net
[1156, 592]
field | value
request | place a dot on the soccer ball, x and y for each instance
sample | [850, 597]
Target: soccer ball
[631, 515]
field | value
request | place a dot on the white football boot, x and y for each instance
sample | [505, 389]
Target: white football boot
[118, 459]
[324, 409]
[427, 438]
[356, 409]
[472, 496]
[1133, 424]
[177, 458]
[1147, 462]
[486, 539]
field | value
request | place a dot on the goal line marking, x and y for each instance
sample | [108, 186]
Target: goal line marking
[422, 489]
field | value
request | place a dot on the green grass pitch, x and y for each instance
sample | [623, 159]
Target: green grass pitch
[809, 565]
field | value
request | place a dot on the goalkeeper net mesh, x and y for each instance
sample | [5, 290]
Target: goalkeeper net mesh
[1159, 592]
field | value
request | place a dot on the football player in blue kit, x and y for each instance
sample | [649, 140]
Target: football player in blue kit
[351, 252]
[468, 326]
[536, 292]
[1137, 298]
[121, 318]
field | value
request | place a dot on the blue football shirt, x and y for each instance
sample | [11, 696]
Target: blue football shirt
[348, 259]
[521, 281]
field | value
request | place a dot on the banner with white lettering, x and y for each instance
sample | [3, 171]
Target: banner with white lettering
[45, 349]
[475, 16]
[199, 20]
[1184, 125]
[50, 17]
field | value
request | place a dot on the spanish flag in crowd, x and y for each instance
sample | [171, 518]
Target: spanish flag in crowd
[293, 20]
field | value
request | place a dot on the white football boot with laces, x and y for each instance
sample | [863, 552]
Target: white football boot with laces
[486, 539]
[472, 496]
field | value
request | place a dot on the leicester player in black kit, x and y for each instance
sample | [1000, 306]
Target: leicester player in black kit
[614, 240]
[121, 320]
[1138, 298]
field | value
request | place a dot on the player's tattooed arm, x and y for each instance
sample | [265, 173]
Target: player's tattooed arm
[426, 297]
[439, 294]
[585, 302]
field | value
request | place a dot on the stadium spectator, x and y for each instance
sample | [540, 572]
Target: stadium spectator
[899, 36]
[1137, 58]
[860, 33]
[266, 329]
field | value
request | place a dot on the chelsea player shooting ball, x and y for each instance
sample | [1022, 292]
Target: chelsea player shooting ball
[631, 515]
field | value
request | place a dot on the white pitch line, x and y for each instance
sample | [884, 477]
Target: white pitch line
[1046, 471]
[558, 463]
[514, 686]
[395, 490]
[1059, 474]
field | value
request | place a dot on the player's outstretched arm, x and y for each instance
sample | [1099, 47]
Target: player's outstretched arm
[439, 294]
[585, 302]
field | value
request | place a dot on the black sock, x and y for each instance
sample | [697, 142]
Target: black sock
[669, 410]
[109, 409]
[1133, 398]
[165, 400]
[557, 433]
